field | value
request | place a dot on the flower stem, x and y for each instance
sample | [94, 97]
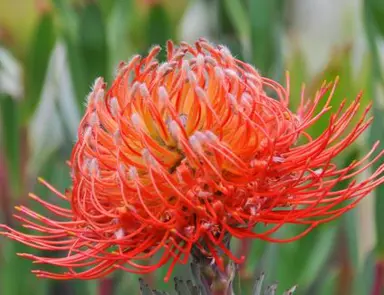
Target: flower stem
[213, 279]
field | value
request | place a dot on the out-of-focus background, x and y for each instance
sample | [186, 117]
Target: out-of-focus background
[51, 52]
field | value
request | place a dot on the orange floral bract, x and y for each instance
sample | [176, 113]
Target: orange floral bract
[177, 155]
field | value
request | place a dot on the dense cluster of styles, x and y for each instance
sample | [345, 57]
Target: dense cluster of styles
[175, 156]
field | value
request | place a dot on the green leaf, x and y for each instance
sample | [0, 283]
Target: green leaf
[322, 248]
[11, 139]
[257, 248]
[347, 88]
[270, 261]
[92, 42]
[298, 75]
[15, 272]
[68, 23]
[77, 68]
[349, 219]
[364, 280]
[127, 283]
[302, 260]
[377, 88]
[329, 283]
[106, 6]
[118, 32]
[350, 223]
[266, 28]
[377, 10]
[56, 172]
[376, 133]
[159, 28]
[237, 14]
[13, 266]
[371, 33]
[38, 59]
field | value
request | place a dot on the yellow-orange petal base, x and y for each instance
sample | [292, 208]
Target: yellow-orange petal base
[179, 154]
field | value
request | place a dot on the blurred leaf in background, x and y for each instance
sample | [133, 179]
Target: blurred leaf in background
[69, 30]
[118, 23]
[10, 112]
[37, 62]
[376, 7]
[92, 42]
[158, 29]
[17, 21]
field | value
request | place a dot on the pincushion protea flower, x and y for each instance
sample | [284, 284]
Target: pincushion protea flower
[177, 156]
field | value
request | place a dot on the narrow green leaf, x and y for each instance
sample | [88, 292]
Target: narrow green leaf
[364, 280]
[77, 68]
[379, 206]
[349, 219]
[118, 32]
[347, 87]
[13, 266]
[371, 33]
[11, 139]
[269, 262]
[298, 75]
[67, 19]
[68, 23]
[376, 133]
[92, 42]
[377, 87]
[226, 31]
[38, 59]
[106, 6]
[328, 285]
[350, 223]
[238, 16]
[159, 28]
[288, 273]
[377, 10]
[266, 27]
[322, 247]
[56, 172]
[127, 283]
[15, 272]
[254, 255]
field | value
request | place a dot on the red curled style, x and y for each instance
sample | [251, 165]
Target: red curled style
[177, 155]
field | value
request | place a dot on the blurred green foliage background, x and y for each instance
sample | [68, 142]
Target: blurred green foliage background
[51, 52]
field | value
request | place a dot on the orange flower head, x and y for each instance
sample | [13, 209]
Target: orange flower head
[176, 156]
